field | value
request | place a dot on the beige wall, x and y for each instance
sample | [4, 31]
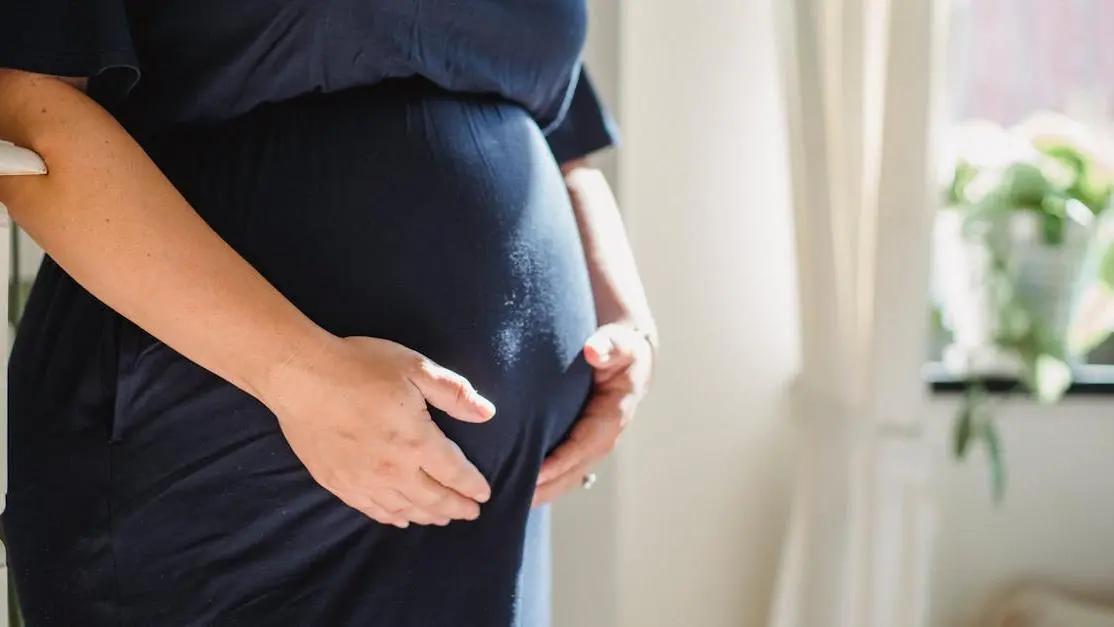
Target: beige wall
[704, 481]
[1057, 522]
[697, 510]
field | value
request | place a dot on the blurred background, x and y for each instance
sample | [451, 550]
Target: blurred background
[875, 236]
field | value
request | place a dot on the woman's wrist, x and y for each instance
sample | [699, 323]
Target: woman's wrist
[298, 352]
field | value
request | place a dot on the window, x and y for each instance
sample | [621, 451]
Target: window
[1010, 59]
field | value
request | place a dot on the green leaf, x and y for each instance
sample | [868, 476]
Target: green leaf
[995, 458]
[1025, 186]
[1053, 223]
[965, 420]
[965, 172]
[1091, 186]
[1106, 267]
[1069, 157]
[974, 422]
[986, 212]
[1054, 218]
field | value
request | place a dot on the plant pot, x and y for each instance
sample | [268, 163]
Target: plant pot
[1045, 278]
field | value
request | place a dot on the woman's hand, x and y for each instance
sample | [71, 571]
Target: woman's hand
[621, 353]
[355, 412]
[622, 357]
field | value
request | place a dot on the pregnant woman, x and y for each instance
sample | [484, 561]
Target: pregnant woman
[331, 303]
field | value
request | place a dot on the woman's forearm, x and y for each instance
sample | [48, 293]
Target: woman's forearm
[616, 285]
[110, 218]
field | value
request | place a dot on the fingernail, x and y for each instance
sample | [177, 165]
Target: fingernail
[482, 497]
[487, 408]
[600, 344]
[403, 524]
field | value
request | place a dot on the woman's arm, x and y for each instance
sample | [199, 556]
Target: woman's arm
[111, 219]
[108, 216]
[621, 352]
[616, 286]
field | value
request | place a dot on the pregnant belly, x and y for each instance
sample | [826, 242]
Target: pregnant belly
[431, 219]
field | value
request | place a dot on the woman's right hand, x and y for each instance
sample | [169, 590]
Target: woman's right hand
[354, 410]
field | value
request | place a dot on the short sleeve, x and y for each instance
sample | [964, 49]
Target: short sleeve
[79, 38]
[586, 126]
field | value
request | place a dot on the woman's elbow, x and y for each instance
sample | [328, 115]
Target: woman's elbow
[14, 75]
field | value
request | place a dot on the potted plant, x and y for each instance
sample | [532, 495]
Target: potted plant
[1022, 247]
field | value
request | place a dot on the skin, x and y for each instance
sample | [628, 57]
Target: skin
[621, 351]
[110, 218]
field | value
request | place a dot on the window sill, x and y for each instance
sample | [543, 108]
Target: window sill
[1090, 380]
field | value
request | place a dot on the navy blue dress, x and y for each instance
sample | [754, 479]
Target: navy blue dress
[391, 166]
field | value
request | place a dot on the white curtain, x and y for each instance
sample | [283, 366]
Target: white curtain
[863, 83]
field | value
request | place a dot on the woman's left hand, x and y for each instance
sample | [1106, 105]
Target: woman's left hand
[622, 359]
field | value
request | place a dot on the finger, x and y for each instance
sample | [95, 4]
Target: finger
[378, 513]
[613, 403]
[570, 454]
[563, 484]
[431, 496]
[398, 505]
[612, 346]
[451, 393]
[393, 504]
[592, 437]
[597, 350]
[415, 513]
[427, 518]
[443, 461]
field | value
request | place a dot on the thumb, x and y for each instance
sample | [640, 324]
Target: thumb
[451, 393]
[609, 346]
